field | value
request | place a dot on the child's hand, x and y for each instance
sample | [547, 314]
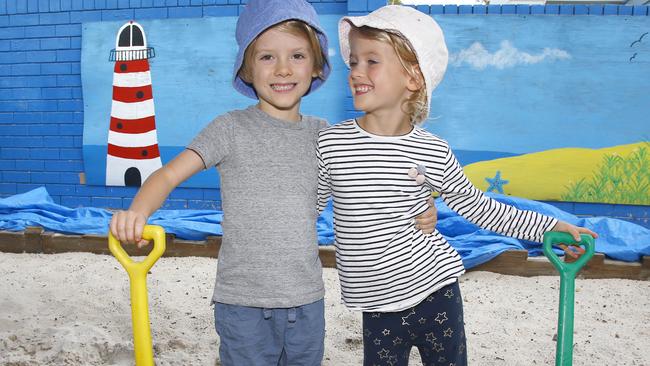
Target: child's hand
[573, 251]
[427, 221]
[127, 227]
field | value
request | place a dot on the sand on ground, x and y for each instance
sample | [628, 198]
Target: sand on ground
[74, 309]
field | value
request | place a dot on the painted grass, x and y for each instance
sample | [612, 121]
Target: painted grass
[618, 179]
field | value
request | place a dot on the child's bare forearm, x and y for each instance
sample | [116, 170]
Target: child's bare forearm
[159, 185]
[153, 192]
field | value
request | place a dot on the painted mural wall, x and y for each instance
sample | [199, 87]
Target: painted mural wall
[548, 108]
[190, 78]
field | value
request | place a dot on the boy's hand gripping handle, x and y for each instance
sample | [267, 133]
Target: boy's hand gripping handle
[568, 271]
[138, 277]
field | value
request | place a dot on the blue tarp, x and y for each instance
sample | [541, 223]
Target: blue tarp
[618, 239]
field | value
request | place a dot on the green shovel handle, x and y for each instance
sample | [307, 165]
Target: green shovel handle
[568, 269]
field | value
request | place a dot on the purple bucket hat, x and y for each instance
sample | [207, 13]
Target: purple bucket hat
[259, 15]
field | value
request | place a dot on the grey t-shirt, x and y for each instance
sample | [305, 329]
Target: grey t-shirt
[269, 179]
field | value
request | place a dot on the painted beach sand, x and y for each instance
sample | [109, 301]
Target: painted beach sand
[618, 174]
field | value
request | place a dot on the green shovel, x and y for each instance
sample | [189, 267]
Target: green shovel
[568, 271]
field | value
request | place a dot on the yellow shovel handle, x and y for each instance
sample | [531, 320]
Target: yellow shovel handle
[138, 277]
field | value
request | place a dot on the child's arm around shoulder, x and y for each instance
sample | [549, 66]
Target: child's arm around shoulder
[127, 226]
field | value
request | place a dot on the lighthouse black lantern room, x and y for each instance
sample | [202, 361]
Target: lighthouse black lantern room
[133, 152]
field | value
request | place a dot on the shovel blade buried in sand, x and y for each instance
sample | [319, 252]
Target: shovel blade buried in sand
[138, 278]
[568, 271]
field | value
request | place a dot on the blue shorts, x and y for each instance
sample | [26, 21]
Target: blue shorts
[252, 336]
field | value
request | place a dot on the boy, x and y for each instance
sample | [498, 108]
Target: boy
[269, 290]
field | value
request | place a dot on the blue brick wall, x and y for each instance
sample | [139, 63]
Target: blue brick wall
[41, 105]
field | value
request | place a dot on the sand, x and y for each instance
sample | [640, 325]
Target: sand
[74, 309]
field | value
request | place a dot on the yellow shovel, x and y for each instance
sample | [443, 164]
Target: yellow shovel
[138, 276]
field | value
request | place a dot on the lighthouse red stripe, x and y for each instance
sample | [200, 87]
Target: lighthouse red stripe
[123, 67]
[139, 153]
[141, 125]
[132, 95]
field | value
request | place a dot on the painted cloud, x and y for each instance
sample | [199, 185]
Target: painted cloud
[506, 56]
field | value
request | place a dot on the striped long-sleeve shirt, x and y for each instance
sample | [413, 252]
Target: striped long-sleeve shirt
[385, 264]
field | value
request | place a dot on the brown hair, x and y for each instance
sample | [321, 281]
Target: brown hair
[296, 28]
[416, 105]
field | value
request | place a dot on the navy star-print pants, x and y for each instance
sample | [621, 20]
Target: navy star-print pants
[435, 326]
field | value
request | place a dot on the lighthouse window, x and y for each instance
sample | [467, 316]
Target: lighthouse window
[123, 67]
[119, 126]
[138, 38]
[144, 153]
[125, 37]
[139, 94]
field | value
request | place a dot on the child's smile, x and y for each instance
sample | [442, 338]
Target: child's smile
[362, 89]
[283, 88]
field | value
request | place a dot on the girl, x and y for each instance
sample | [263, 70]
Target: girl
[380, 169]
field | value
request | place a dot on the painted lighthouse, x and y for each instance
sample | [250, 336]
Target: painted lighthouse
[133, 152]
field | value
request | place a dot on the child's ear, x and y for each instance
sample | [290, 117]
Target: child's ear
[414, 83]
[243, 77]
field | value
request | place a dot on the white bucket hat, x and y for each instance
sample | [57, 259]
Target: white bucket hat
[419, 29]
